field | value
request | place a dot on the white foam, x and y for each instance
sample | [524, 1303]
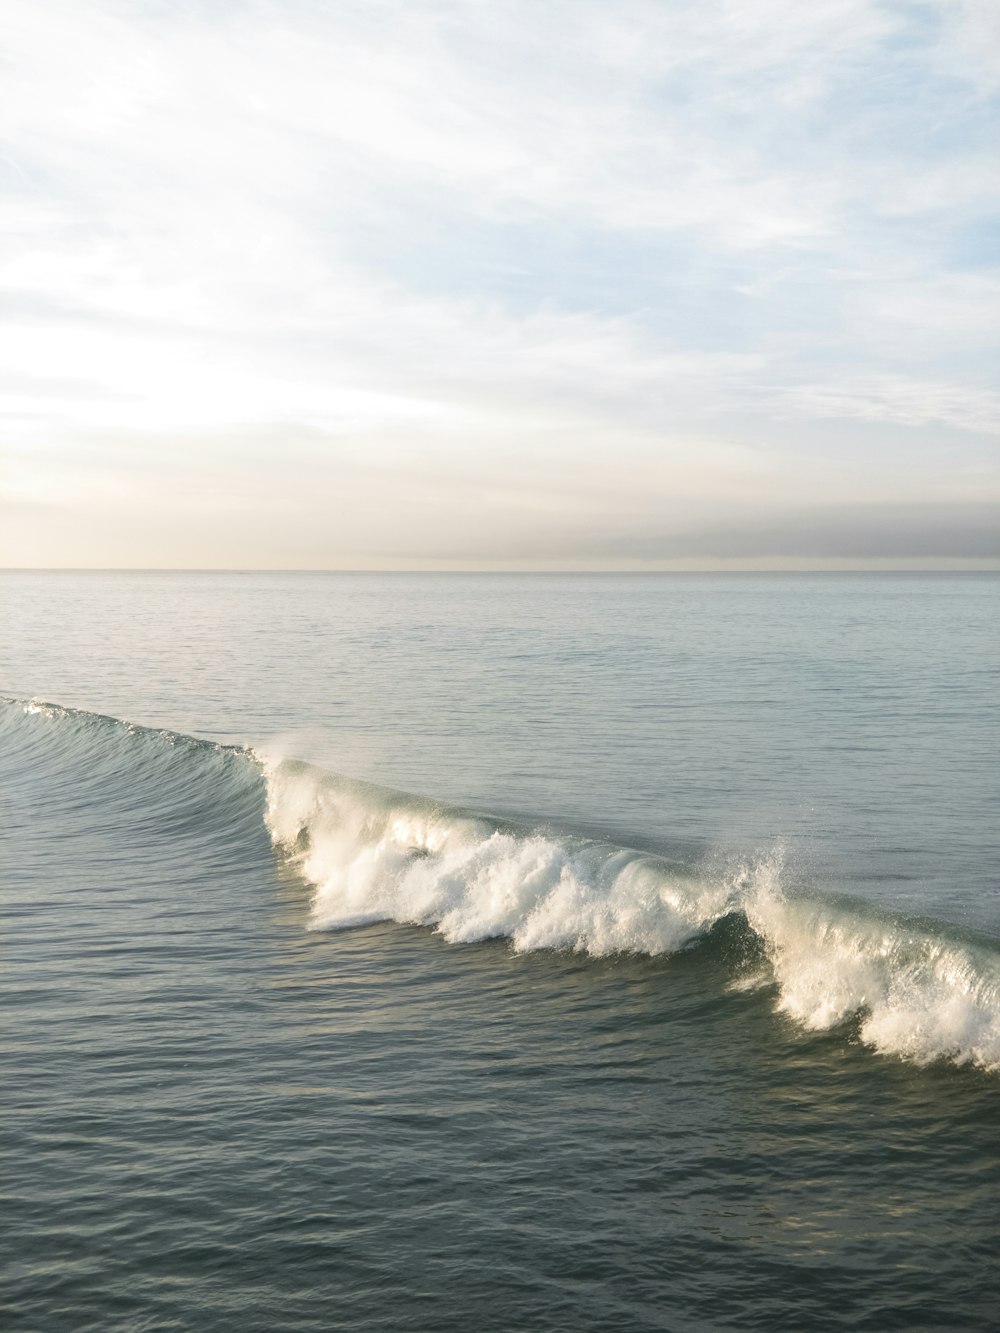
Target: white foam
[917, 993]
[372, 859]
[376, 855]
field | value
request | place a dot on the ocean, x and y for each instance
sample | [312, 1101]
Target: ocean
[500, 952]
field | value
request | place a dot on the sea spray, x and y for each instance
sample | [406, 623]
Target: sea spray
[917, 992]
[373, 854]
[912, 988]
[378, 855]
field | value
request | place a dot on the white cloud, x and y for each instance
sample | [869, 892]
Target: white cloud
[206, 212]
[904, 401]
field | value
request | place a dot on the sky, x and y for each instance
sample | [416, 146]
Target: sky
[419, 284]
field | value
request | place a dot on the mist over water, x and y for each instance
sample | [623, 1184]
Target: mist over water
[625, 957]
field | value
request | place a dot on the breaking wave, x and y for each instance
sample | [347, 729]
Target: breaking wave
[378, 855]
[913, 989]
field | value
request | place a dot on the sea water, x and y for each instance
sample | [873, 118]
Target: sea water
[500, 952]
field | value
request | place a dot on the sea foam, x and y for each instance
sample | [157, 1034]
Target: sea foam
[915, 989]
[372, 854]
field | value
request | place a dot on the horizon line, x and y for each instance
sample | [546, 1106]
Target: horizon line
[959, 567]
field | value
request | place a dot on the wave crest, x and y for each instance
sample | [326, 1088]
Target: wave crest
[374, 855]
[915, 989]
[917, 992]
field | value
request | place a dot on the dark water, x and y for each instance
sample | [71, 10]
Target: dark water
[688, 1086]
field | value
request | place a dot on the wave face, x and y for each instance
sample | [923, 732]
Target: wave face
[912, 989]
[373, 854]
[163, 801]
[147, 768]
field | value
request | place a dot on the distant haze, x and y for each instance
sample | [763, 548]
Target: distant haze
[511, 285]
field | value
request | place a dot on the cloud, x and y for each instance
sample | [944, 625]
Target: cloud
[875, 532]
[718, 252]
[915, 402]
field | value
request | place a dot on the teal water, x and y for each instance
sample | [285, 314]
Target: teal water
[669, 996]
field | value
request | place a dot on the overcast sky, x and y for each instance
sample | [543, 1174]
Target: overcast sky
[422, 284]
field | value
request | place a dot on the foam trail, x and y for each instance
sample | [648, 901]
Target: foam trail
[373, 854]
